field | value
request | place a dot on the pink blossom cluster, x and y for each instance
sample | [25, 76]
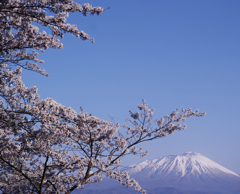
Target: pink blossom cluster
[20, 37]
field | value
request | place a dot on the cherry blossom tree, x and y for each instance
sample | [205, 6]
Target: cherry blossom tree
[49, 148]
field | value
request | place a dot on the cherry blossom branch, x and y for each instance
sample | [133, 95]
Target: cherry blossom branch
[43, 175]
[24, 175]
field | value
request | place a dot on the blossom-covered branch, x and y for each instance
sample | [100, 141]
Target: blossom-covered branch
[20, 37]
[47, 147]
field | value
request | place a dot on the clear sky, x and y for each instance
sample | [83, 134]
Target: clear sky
[174, 54]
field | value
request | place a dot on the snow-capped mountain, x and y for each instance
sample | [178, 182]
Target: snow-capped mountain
[188, 173]
[190, 163]
[191, 171]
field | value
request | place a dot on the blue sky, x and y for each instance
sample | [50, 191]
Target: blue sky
[174, 54]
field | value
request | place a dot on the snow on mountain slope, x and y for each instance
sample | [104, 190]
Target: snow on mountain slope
[178, 165]
[190, 170]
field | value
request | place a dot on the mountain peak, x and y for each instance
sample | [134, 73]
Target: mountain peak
[190, 170]
[180, 165]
